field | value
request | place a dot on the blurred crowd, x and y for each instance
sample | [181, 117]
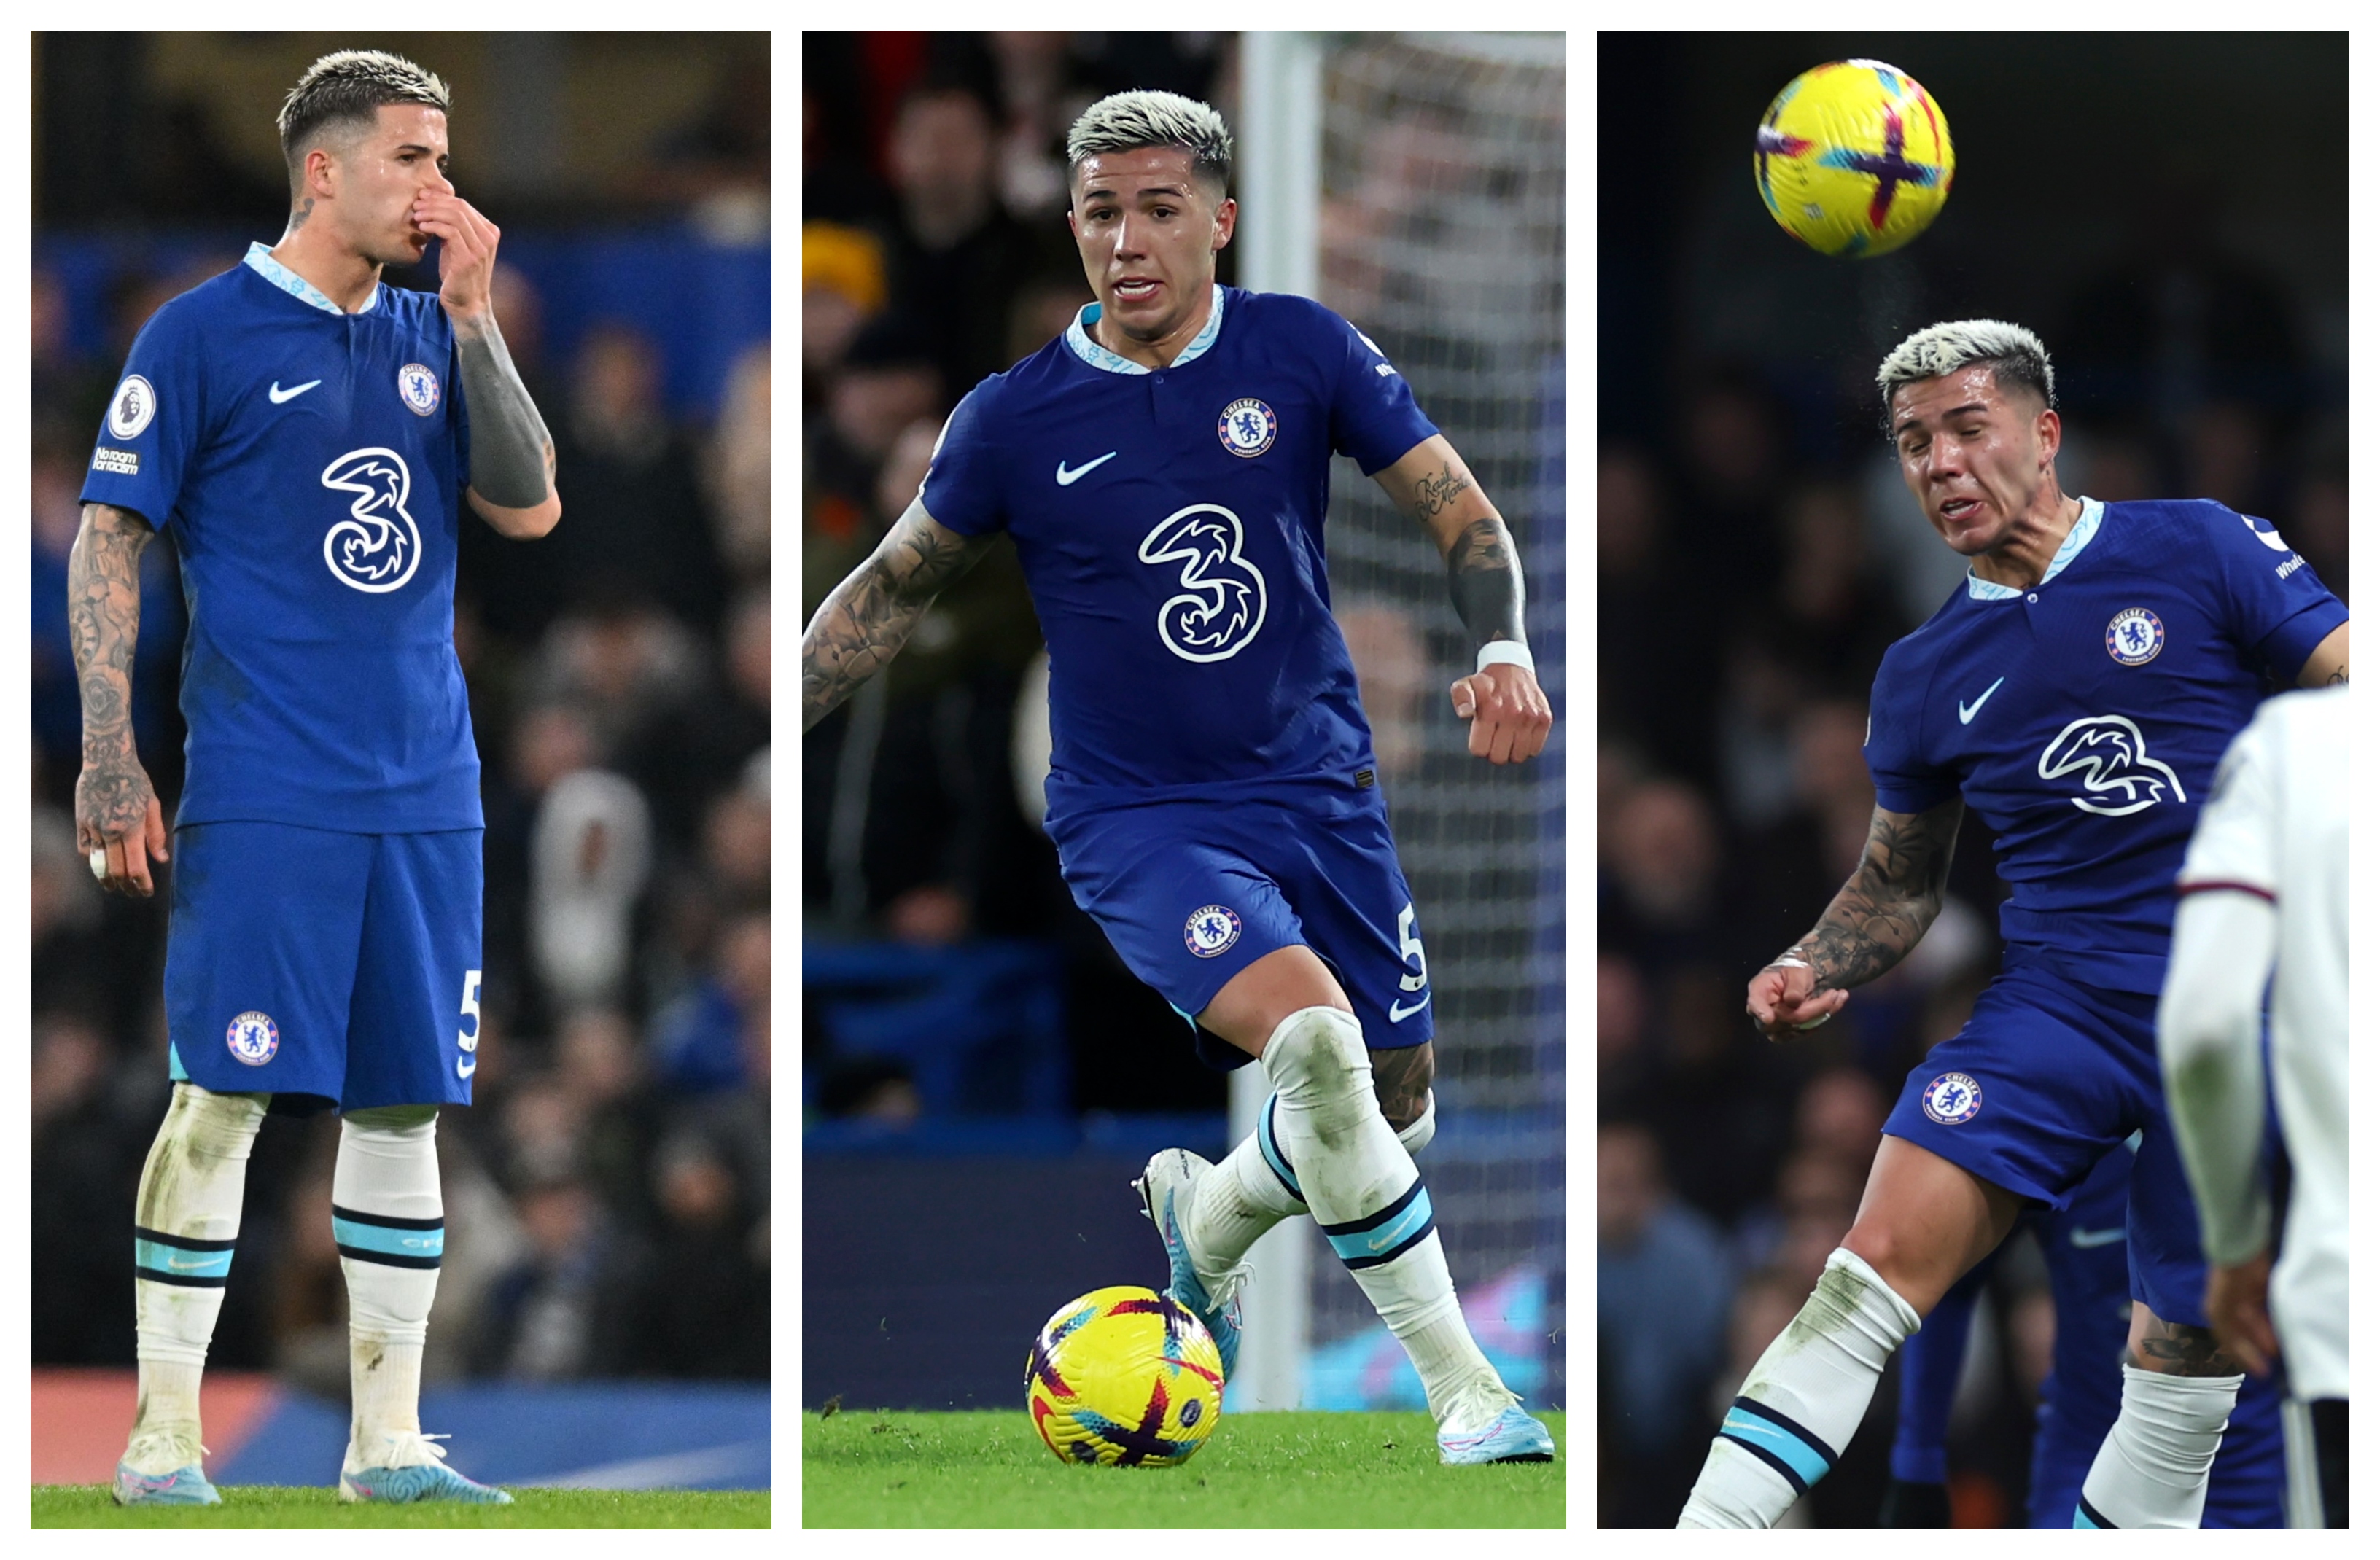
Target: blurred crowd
[935, 252]
[1752, 563]
[608, 1193]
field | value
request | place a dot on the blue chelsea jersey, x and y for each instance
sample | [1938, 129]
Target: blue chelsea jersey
[309, 463]
[1169, 527]
[2083, 719]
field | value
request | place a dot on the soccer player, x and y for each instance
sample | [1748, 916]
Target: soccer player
[2264, 896]
[301, 430]
[2090, 1284]
[2076, 691]
[1163, 468]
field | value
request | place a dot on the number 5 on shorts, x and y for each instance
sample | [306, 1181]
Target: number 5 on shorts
[469, 1038]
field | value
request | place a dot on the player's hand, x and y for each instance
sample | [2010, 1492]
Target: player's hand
[1508, 712]
[116, 813]
[466, 250]
[2236, 1312]
[1781, 1000]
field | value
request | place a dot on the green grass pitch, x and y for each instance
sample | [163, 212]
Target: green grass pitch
[988, 1469]
[276, 1505]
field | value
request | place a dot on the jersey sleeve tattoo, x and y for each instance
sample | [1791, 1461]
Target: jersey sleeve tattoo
[865, 620]
[103, 620]
[1889, 900]
[512, 453]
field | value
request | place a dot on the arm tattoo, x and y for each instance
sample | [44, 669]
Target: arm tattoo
[2179, 1349]
[512, 453]
[2338, 678]
[1482, 572]
[103, 620]
[1432, 494]
[1400, 1080]
[1889, 900]
[865, 620]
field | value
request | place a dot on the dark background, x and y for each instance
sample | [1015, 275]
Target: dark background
[2169, 213]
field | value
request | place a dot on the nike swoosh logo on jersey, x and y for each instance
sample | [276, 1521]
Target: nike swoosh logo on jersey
[2086, 1238]
[1068, 478]
[1399, 1013]
[1967, 711]
[295, 390]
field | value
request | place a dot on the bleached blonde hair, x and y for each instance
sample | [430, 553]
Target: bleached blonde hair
[2014, 355]
[1129, 121]
[347, 90]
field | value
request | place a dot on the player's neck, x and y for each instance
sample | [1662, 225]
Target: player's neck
[1161, 352]
[344, 276]
[2021, 561]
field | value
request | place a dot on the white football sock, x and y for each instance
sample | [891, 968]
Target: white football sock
[2151, 1471]
[1359, 1180]
[1804, 1398]
[1255, 1188]
[185, 1227]
[391, 1229]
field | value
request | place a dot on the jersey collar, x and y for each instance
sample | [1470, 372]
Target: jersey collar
[260, 259]
[2087, 526]
[1079, 336]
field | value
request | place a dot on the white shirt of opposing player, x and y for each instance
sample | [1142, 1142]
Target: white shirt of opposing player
[2279, 823]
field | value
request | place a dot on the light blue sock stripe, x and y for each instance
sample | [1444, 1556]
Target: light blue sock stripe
[1387, 1237]
[394, 1243]
[1798, 1453]
[2083, 1520]
[1270, 1146]
[181, 1263]
[174, 1068]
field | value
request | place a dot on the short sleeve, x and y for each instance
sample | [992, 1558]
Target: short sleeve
[1373, 416]
[2278, 608]
[1906, 781]
[964, 490]
[2236, 844]
[154, 421]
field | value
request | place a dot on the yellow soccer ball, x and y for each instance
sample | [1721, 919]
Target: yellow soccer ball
[1853, 158]
[1125, 1377]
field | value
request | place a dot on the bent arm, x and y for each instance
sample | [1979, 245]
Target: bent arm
[2224, 941]
[512, 452]
[2329, 662]
[1483, 567]
[864, 621]
[1888, 900]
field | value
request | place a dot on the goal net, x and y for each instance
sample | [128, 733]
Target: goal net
[1439, 233]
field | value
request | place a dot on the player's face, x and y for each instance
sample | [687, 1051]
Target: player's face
[1148, 234]
[1977, 460]
[400, 157]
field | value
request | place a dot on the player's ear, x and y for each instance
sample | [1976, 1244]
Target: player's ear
[1227, 219]
[2051, 431]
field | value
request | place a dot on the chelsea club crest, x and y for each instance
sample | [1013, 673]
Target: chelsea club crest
[2135, 636]
[1210, 929]
[418, 386]
[1246, 427]
[1952, 1098]
[253, 1038]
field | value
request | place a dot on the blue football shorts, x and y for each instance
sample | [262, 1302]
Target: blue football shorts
[2048, 1075]
[307, 963]
[1192, 892]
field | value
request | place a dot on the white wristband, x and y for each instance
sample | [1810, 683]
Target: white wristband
[1505, 652]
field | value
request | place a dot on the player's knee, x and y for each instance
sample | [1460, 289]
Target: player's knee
[395, 1121]
[1317, 1051]
[204, 1114]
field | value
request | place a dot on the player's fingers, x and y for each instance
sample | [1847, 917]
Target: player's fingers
[157, 831]
[136, 864]
[1466, 700]
[1500, 745]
